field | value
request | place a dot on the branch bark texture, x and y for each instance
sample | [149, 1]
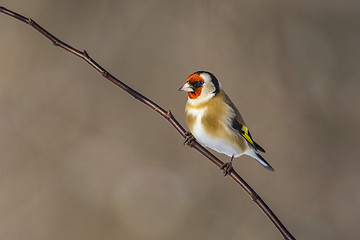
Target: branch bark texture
[166, 114]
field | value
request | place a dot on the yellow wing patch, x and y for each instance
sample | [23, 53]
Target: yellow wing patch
[245, 134]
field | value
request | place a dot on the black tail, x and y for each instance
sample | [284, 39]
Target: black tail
[258, 147]
[264, 162]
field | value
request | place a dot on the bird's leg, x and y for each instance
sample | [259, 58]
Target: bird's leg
[189, 139]
[227, 167]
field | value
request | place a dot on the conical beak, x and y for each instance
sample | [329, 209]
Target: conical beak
[186, 88]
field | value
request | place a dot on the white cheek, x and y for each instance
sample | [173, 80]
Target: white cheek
[204, 96]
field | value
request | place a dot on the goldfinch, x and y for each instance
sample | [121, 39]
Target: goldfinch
[215, 122]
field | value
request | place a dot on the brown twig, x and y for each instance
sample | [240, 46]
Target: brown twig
[166, 114]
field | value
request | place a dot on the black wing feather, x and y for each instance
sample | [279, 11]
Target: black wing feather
[238, 126]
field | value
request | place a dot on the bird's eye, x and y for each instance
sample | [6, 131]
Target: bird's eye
[197, 84]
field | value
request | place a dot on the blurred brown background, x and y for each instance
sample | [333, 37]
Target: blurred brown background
[81, 159]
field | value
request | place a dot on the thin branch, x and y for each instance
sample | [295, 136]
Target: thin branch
[166, 114]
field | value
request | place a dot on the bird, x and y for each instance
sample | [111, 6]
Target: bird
[215, 122]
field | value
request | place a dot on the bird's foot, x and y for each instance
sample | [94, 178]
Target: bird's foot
[189, 139]
[227, 168]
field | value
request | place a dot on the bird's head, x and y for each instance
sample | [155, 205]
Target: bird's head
[201, 86]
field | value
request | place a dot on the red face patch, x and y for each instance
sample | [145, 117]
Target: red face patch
[193, 79]
[196, 93]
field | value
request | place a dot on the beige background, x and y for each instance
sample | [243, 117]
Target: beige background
[80, 159]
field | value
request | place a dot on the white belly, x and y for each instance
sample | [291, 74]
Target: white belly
[216, 144]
